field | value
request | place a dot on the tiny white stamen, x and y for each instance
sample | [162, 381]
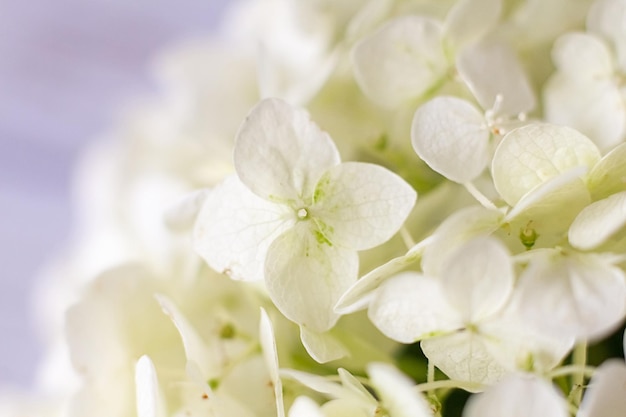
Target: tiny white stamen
[302, 214]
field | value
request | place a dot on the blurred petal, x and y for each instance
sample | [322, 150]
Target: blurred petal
[598, 222]
[149, 399]
[518, 395]
[397, 392]
[322, 347]
[606, 394]
[609, 175]
[470, 20]
[401, 61]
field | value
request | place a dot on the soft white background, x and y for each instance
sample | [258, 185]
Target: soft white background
[66, 66]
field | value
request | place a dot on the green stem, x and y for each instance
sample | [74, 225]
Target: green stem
[579, 359]
[449, 383]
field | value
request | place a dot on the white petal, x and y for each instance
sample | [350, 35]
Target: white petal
[410, 306]
[235, 228]
[607, 18]
[451, 136]
[397, 391]
[322, 347]
[317, 383]
[196, 349]
[594, 107]
[401, 61]
[149, 398]
[305, 407]
[268, 345]
[351, 383]
[305, 276]
[491, 69]
[280, 153]
[478, 278]
[598, 222]
[609, 175]
[463, 356]
[606, 394]
[518, 396]
[359, 206]
[454, 231]
[582, 55]
[584, 295]
[182, 214]
[470, 20]
[530, 155]
[347, 407]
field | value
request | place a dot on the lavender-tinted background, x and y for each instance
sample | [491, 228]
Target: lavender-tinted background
[65, 68]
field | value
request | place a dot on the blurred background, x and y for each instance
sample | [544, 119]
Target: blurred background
[67, 69]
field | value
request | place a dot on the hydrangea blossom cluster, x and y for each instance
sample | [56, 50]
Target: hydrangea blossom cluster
[252, 243]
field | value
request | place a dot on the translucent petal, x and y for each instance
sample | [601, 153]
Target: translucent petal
[410, 307]
[268, 345]
[350, 382]
[316, 383]
[606, 395]
[478, 278]
[149, 399]
[584, 295]
[518, 395]
[530, 155]
[598, 222]
[235, 228]
[470, 20]
[401, 61]
[454, 231]
[305, 276]
[280, 153]
[182, 214]
[595, 107]
[491, 69]
[609, 175]
[397, 392]
[582, 55]
[196, 349]
[322, 347]
[359, 206]
[463, 356]
[452, 137]
[347, 407]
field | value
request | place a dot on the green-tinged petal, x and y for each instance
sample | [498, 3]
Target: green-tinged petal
[410, 307]
[609, 175]
[401, 61]
[598, 222]
[359, 205]
[463, 356]
[478, 278]
[280, 153]
[531, 155]
[235, 228]
[317, 383]
[519, 395]
[397, 391]
[305, 276]
[323, 347]
[452, 137]
[150, 402]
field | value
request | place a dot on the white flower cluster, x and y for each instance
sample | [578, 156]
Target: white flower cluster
[229, 264]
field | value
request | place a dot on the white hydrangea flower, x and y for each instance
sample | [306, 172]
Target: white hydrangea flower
[296, 216]
[448, 313]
